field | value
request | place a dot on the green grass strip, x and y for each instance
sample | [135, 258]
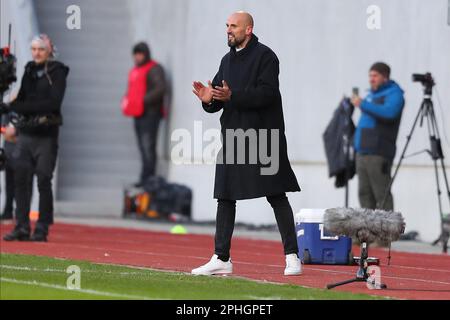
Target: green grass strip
[31, 277]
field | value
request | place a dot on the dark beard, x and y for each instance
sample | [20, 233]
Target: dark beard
[235, 43]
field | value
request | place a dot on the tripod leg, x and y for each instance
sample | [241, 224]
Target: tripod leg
[397, 168]
[438, 154]
[435, 242]
[438, 190]
[337, 284]
[445, 245]
[443, 237]
[389, 253]
[447, 187]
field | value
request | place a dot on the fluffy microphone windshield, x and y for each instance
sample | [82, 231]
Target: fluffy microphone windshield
[365, 224]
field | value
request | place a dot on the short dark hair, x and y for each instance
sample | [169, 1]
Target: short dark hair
[382, 68]
[142, 47]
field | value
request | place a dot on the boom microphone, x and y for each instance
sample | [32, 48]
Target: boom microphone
[365, 224]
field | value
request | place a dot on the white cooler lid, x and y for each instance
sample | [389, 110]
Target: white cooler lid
[310, 216]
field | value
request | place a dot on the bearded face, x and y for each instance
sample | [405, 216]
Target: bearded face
[239, 28]
[235, 39]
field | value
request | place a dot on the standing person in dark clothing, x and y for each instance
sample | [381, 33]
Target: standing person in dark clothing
[39, 102]
[246, 90]
[144, 102]
[376, 136]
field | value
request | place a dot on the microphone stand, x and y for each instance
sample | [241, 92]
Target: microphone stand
[361, 275]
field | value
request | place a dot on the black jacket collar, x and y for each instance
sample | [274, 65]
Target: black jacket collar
[250, 45]
[52, 65]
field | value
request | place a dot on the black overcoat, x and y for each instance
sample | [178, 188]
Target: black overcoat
[252, 75]
[340, 164]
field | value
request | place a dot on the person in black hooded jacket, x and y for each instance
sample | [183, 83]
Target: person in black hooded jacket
[41, 95]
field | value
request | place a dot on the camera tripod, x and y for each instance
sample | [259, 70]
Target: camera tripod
[426, 112]
[362, 274]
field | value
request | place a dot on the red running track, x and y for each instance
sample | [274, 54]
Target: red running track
[410, 276]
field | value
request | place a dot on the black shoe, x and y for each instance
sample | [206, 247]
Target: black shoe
[39, 236]
[18, 234]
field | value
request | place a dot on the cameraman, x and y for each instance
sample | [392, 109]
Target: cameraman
[39, 99]
[376, 135]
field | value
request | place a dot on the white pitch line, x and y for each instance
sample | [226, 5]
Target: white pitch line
[19, 268]
[104, 293]
[418, 268]
[88, 291]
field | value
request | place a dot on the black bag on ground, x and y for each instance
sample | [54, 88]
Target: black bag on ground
[173, 198]
[158, 199]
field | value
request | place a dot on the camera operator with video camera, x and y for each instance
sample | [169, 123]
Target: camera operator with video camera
[38, 109]
[376, 135]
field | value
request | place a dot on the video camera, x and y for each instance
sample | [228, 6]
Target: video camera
[7, 77]
[7, 66]
[425, 79]
[7, 69]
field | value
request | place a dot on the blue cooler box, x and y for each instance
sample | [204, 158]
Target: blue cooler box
[315, 245]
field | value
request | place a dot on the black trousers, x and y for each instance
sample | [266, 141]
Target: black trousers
[9, 190]
[146, 128]
[34, 155]
[226, 213]
[374, 176]
[9, 179]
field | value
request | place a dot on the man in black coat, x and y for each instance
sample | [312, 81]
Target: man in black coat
[246, 90]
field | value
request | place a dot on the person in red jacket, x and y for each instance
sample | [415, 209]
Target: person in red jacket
[144, 102]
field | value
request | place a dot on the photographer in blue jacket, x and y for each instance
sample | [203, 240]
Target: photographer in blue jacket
[376, 136]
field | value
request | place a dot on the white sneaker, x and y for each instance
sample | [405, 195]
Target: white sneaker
[293, 265]
[214, 266]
